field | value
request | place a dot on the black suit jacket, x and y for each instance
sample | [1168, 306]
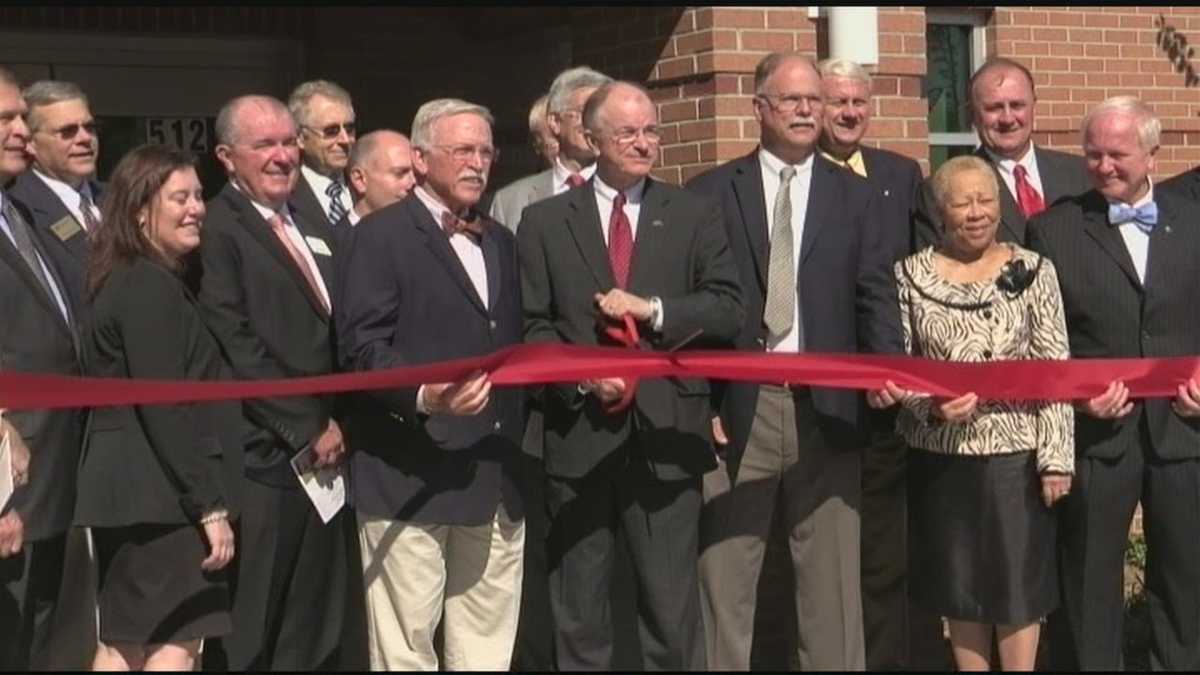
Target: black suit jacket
[269, 323]
[1110, 314]
[304, 202]
[847, 292]
[408, 300]
[185, 460]
[1063, 175]
[1186, 184]
[35, 338]
[682, 256]
[896, 180]
[47, 210]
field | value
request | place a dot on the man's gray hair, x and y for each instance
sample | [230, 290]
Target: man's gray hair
[298, 101]
[771, 62]
[595, 102]
[9, 77]
[48, 92]
[366, 146]
[1149, 127]
[432, 111]
[227, 132]
[846, 68]
[568, 82]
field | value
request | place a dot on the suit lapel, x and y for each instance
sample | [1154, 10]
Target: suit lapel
[304, 201]
[491, 262]
[51, 211]
[261, 231]
[752, 206]
[439, 245]
[583, 220]
[652, 230]
[324, 262]
[1167, 253]
[10, 255]
[1095, 215]
[822, 194]
[1011, 218]
[543, 188]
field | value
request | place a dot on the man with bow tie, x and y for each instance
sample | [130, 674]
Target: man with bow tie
[440, 521]
[1128, 261]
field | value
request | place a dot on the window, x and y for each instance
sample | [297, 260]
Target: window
[954, 49]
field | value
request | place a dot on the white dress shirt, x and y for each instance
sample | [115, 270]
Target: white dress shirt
[1137, 241]
[298, 240]
[771, 166]
[352, 217]
[1006, 167]
[58, 295]
[561, 174]
[70, 197]
[320, 184]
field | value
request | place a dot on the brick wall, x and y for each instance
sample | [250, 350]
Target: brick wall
[1081, 56]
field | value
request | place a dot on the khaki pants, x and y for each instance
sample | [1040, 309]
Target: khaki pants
[817, 490]
[413, 572]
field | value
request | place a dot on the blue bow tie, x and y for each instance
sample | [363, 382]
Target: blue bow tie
[1145, 217]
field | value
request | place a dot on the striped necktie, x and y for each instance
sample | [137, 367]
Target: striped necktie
[337, 210]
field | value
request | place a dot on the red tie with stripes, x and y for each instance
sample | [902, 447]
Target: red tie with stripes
[1028, 199]
[575, 180]
[620, 241]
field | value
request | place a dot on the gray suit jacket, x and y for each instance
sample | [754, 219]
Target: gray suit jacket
[514, 197]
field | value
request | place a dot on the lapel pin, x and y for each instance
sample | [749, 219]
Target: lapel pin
[887, 193]
[1167, 229]
[656, 223]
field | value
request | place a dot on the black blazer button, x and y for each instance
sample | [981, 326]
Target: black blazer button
[492, 324]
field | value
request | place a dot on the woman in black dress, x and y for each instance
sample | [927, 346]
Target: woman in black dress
[155, 480]
[983, 474]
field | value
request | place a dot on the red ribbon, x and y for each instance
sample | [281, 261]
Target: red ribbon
[627, 336]
[547, 363]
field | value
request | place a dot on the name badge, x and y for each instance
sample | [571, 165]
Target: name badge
[66, 228]
[318, 246]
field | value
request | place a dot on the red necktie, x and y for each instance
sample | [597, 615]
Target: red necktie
[620, 241]
[1028, 199]
[575, 180]
[280, 230]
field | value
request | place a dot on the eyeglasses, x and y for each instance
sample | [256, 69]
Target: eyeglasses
[789, 103]
[331, 131]
[70, 131]
[463, 153]
[627, 135]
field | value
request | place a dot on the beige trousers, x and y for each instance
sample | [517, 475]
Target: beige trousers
[415, 572]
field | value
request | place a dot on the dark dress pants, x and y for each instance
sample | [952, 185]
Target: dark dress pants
[30, 583]
[1094, 523]
[289, 585]
[658, 521]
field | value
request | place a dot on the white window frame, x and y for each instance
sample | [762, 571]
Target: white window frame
[977, 20]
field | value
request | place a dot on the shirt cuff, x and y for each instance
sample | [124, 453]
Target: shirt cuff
[656, 313]
[421, 409]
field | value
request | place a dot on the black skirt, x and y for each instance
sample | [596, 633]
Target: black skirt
[152, 589]
[981, 541]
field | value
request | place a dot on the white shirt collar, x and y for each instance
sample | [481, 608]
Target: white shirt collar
[633, 194]
[561, 173]
[318, 182]
[772, 164]
[265, 211]
[1028, 160]
[69, 195]
[352, 217]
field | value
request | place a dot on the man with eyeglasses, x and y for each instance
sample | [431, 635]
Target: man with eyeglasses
[816, 276]
[624, 458]
[440, 520]
[37, 334]
[267, 293]
[60, 189]
[324, 115]
[573, 165]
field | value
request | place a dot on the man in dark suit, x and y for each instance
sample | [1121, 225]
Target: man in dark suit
[816, 277]
[1128, 262]
[61, 191]
[440, 522]
[265, 286]
[1002, 111]
[1186, 184]
[324, 114]
[379, 173]
[624, 458]
[39, 336]
[892, 627]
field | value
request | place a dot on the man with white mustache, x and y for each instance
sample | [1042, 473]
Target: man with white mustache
[815, 275]
[60, 189]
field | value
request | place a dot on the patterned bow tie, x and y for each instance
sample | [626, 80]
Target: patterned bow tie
[1145, 217]
[453, 224]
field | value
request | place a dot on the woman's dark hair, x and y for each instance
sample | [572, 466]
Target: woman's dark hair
[133, 186]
